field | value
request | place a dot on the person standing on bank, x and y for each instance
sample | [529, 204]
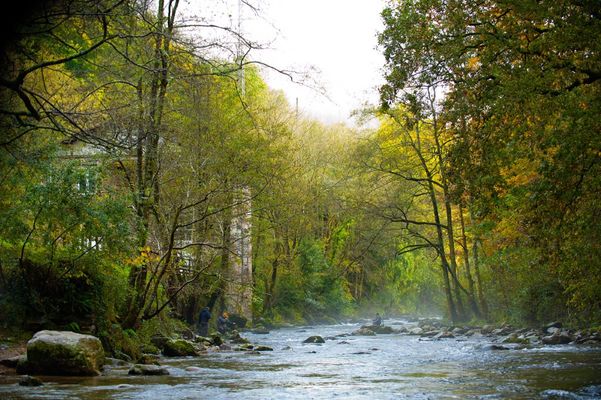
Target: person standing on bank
[203, 322]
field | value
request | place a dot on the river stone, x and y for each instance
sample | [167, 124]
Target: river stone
[263, 348]
[496, 347]
[245, 347]
[444, 335]
[363, 331]
[64, 353]
[314, 339]
[555, 324]
[178, 348]
[141, 369]
[416, 331]
[381, 329]
[459, 331]
[237, 339]
[30, 381]
[516, 339]
[559, 337]
[149, 359]
[10, 362]
[216, 340]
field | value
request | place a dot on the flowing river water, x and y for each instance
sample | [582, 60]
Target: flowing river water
[395, 366]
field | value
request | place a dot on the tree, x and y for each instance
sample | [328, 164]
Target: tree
[522, 81]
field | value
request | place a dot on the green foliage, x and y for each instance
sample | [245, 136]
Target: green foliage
[521, 112]
[60, 243]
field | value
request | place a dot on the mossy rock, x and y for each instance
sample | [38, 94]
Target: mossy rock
[216, 340]
[237, 339]
[159, 340]
[64, 353]
[263, 348]
[178, 348]
[516, 339]
[149, 359]
[149, 349]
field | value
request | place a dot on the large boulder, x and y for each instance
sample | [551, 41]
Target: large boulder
[64, 353]
[178, 348]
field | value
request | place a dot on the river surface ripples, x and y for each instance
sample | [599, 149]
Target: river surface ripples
[396, 366]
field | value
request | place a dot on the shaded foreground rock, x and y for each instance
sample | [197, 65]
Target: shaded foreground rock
[63, 353]
[10, 362]
[30, 381]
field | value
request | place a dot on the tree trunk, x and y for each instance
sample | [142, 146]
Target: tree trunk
[481, 297]
[239, 288]
[468, 273]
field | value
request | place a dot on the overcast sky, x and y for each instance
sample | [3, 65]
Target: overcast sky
[336, 37]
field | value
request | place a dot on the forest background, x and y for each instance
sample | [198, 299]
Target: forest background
[130, 145]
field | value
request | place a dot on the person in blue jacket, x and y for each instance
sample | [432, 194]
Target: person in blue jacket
[203, 322]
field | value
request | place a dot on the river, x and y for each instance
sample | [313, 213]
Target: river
[395, 366]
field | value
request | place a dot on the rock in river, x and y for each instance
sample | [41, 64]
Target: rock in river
[63, 353]
[30, 381]
[363, 331]
[142, 369]
[314, 339]
[559, 337]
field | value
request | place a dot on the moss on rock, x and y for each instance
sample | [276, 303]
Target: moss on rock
[179, 348]
[64, 353]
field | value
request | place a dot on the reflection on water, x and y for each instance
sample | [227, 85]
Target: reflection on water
[373, 367]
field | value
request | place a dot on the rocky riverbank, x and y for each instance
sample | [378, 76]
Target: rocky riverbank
[80, 353]
[550, 334]
[65, 353]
